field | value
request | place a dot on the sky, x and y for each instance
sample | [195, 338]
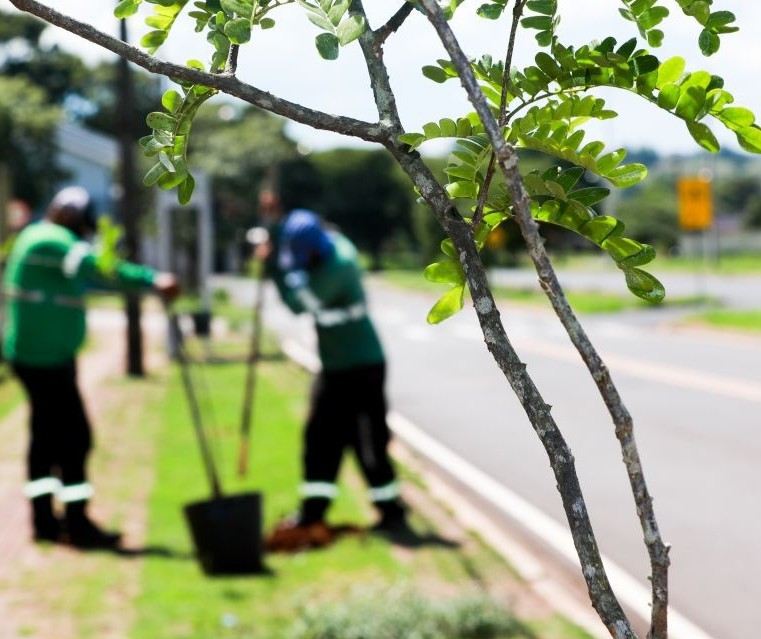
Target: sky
[284, 62]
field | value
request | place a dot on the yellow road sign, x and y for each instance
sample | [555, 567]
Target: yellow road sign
[695, 203]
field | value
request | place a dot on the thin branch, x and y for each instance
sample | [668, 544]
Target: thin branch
[232, 60]
[371, 132]
[507, 158]
[498, 343]
[517, 12]
[394, 23]
[503, 119]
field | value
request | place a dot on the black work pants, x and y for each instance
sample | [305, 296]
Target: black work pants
[348, 410]
[60, 437]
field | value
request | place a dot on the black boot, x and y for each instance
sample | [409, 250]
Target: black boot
[393, 517]
[82, 532]
[46, 526]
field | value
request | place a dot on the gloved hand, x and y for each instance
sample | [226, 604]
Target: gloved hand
[167, 286]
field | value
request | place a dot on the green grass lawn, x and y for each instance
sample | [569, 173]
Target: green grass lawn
[747, 321]
[11, 393]
[177, 601]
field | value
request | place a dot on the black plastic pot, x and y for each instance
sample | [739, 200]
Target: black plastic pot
[202, 323]
[226, 532]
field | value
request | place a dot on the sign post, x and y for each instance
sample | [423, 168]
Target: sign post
[696, 213]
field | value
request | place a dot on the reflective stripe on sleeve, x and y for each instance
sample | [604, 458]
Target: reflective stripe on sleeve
[388, 492]
[13, 292]
[38, 297]
[69, 300]
[319, 489]
[337, 316]
[76, 492]
[42, 486]
[74, 257]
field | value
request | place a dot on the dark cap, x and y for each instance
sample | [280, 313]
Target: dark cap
[77, 201]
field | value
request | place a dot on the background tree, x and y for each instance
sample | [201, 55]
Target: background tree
[650, 212]
[364, 196]
[542, 107]
[235, 145]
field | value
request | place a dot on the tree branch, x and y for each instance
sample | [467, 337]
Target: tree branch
[371, 132]
[498, 343]
[394, 22]
[507, 159]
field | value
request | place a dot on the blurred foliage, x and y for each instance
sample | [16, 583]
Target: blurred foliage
[236, 146]
[366, 197]
[27, 123]
[649, 212]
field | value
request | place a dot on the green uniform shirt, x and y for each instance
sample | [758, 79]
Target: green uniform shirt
[45, 281]
[332, 293]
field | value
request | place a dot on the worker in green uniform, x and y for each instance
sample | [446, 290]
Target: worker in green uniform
[316, 272]
[47, 274]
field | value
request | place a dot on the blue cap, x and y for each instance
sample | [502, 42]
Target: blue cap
[303, 241]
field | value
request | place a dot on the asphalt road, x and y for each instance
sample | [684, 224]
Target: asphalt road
[694, 396]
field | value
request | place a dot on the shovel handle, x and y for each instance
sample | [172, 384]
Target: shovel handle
[243, 455]
[248, 396]
[195, 409]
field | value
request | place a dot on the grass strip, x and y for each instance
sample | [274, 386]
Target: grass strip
[178, 602]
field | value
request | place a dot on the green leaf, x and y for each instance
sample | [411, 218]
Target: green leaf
[321, 21]
[448, 128]
[447, 248]
[708, 42]
[490, 11]
[153, 40]
[590, 195]
[720, 19]
[266, 23]
[449, 304]
[609, 161]
[160, 121]
[602, 227]
[337, 12]
[237, 7]
[172, 100]
[699, 9]
[703, 136]
[545, 7]
[431, 130]
[238, 30]
[543, 23]
[153, 175]
[437, 74]
[350, 29]
[448, 272]
[327, 46]
[466, 190]
[628, 252]
[690, 103]
[750, 139]
[126, 8]
[644, 285]
[185, 190]
[627, 175]
[414, 140]
[738, 117]
[670, 71]
[655, 38]
[668, 97]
